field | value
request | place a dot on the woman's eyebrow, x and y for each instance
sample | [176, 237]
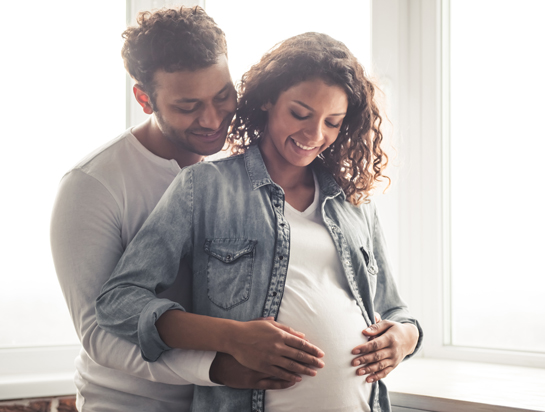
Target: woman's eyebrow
[312, 110]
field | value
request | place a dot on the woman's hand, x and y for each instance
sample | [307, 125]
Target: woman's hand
[389, 343]
[273, 349]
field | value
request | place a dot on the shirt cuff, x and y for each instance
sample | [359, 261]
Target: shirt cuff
[151, 344]
[191, 365]
[420, 336]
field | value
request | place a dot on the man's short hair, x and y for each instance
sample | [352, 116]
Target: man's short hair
[171, 40]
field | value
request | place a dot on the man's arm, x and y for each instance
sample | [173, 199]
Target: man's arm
[86, 244]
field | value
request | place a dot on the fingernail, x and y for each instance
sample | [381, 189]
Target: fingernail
[369, 330]
[298, 379]
[361, 372]
[356, 351]
[356, 363]
[370, 380]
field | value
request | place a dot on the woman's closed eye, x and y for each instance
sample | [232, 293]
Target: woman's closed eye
[332, 125]
[299, 117]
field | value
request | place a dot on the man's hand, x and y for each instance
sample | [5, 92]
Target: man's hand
[225, 370]
[273, 349]
[389, 343]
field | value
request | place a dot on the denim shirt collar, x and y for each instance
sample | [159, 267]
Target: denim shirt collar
[259, 176]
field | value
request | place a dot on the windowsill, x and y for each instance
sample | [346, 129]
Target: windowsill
[446, 385]
[37, 372]
[419, 384]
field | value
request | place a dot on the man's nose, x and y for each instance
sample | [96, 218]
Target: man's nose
[210, 118]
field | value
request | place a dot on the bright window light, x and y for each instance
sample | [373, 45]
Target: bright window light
[63, 96]
[253, 27]
[497, 147]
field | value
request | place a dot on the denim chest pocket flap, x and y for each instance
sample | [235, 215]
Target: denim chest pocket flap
[229, 270]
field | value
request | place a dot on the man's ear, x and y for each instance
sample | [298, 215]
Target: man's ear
[143, 99]
[265, 107]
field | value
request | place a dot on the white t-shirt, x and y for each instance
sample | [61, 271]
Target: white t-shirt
[100, 206]
[317, 301]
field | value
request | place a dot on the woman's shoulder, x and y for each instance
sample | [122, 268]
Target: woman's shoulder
[230, 164]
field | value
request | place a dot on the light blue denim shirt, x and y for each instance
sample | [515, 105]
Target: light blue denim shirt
[227, 218]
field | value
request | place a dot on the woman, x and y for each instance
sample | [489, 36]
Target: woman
[283, 230]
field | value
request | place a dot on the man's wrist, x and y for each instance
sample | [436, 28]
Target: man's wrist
[215, 369]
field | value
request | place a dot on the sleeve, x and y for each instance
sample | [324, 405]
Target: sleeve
[387, 301]
[128, 305]
[86, 245]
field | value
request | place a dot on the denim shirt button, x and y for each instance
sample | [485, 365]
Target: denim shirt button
[277, 205]
[280, 257]
[274, 293]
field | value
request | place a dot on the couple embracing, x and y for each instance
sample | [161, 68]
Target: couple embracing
[249, 283]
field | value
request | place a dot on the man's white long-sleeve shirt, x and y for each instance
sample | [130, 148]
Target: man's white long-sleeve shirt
[100, 206]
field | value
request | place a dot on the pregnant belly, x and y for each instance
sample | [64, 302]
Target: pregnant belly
[333, 322]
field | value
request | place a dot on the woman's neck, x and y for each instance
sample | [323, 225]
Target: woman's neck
[297, 182]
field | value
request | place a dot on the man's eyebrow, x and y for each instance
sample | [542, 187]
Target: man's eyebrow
[312, 110]
[189, 100]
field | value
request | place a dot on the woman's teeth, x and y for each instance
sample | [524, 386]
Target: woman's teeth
[302, 146]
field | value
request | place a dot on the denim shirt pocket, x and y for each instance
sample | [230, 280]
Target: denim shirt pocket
[229, 271]
[372, 270]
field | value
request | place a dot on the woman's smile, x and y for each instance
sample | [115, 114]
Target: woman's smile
[302, 146]
[303, 122]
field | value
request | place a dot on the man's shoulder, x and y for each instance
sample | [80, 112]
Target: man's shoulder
[124, 161]
[105, 155]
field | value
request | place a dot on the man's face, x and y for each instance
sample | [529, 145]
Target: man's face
[194, 108]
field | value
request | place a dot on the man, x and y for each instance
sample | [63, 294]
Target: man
[178, 59]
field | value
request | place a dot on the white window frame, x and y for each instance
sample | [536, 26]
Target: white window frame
[411, 60]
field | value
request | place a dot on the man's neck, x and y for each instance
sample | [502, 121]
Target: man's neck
[151, 137]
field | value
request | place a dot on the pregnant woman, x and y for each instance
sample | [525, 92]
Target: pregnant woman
[284, 229]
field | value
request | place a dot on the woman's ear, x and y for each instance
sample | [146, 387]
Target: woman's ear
[265, 107]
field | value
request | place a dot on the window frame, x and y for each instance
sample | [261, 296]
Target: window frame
[411, 60]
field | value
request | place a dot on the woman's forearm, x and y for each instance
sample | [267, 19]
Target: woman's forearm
[262, 345]
[183, 330]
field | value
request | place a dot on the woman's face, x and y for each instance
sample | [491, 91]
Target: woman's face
[304, 121]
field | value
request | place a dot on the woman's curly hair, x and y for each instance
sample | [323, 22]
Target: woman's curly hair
[356, 158]
[171, 40]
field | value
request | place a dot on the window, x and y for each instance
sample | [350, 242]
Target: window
[253, 27]
[497, 218]
[63, 96]
[463, 81]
